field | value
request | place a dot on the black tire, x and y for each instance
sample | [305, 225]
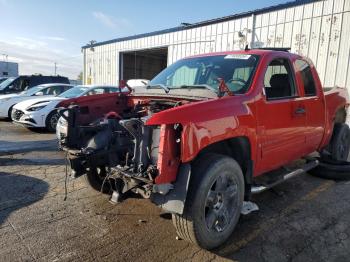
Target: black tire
[51, 121]
[94, 179]
[202, 222]
[333, 171]
[339, 146]
[9, 113]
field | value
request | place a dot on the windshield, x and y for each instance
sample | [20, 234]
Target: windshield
[236, 69]
[6, 83]
[74, 92]
[32, 91]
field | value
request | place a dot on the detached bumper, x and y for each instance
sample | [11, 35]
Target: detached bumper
[32, 119]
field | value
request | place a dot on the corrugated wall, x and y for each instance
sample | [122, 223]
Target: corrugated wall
[319, 30]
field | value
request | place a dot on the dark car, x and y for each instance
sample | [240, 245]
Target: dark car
[22, 83]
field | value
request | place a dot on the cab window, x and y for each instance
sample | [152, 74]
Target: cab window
[111, 90]
[96, 91]
[307, 78]
[279, 81]
[54, 90]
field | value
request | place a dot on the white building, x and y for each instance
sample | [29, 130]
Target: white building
[319, 29]
[8, 69]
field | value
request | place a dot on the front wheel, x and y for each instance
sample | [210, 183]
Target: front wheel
[9, 113]
[214, 202]
[95, 179]
[51, 121]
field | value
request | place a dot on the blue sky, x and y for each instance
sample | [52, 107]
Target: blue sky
[37, 33]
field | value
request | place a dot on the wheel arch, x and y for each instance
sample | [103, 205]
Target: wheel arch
[240, 149]
[9, 111]
[49, 115]
[338, 116]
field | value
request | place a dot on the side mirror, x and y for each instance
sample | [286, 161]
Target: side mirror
[11, 87]
[40, 93]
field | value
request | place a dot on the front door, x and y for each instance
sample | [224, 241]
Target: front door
[281, 118]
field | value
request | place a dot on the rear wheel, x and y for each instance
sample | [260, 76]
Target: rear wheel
[334, 165]
[214, 202]
[339, 146]
[51, 121]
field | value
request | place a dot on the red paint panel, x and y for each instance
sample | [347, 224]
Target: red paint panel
[97, 105]
[168, 156]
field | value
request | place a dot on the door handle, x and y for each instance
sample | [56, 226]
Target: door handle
[300, 111]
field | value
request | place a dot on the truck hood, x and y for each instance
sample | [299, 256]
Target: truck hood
[201, 111]
[178, 106]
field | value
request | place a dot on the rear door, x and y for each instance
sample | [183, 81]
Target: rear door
[314, 105]
[281, 117]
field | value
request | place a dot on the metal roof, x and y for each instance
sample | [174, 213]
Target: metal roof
[207, 22]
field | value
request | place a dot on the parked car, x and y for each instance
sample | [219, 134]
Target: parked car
[207, 133]
[22, 83]
[8, 101]
[42, 112]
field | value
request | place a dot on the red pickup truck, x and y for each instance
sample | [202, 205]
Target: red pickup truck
[205, 134]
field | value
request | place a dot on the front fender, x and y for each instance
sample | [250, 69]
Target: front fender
[197, 136]
[210, 121]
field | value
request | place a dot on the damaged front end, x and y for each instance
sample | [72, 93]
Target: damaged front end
[121, 153]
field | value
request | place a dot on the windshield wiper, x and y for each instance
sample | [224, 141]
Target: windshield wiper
[200, 86]
[166, 89]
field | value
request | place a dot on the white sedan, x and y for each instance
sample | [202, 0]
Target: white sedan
[42, 112]
[8, 101]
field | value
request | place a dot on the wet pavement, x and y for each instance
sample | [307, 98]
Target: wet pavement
[305, 219]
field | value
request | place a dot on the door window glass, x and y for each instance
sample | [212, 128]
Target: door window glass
[307, 78]
[96, 91]
[279, 80]
[54, 90]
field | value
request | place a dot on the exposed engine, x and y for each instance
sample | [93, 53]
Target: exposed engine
[120, 144]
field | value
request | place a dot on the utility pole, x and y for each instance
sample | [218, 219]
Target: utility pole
[55, 68]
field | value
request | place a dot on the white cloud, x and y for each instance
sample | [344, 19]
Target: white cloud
[53, 38]
[28, 43]
[111, 22]
[36, 56]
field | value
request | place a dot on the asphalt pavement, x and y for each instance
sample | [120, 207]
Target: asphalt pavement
[304, 219]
